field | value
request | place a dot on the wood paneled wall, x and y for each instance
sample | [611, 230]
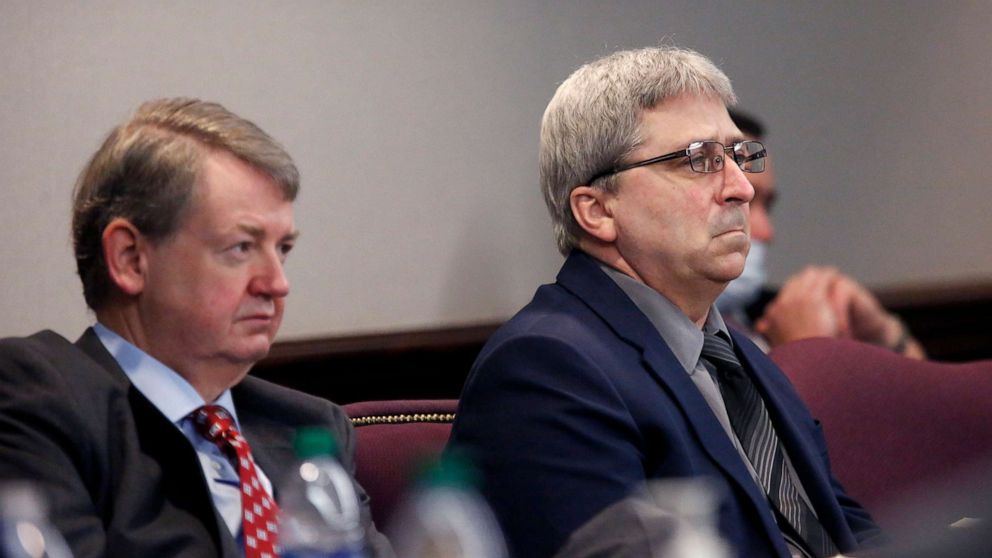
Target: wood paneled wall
[952, 322]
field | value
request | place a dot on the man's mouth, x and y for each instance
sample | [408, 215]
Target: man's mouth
[261, 315]
[732, 223]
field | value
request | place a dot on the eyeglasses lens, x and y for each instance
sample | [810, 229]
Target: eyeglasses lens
[706, 156]
[750, 156]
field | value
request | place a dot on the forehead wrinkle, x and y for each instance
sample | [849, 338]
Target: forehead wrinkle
[711, 134]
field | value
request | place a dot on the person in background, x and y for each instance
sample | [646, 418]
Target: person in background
[819, 301]
[623, 371]
[146, 435]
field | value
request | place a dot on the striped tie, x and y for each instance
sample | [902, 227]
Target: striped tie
[753, 426]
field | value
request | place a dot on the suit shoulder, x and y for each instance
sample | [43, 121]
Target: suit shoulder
[560, 349]
[45, 356]
[555, 323]
[41, 345]
[556, 316]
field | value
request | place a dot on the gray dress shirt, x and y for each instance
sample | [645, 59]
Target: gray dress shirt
[685, 339]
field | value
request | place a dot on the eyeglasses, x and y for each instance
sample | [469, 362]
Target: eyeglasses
[706, 157]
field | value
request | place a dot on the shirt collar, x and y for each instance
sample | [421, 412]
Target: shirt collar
[682, 336]
[169, 392]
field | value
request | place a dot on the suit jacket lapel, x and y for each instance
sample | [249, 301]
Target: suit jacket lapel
[182, 476]
[582, 276]
[90, 344]
[806, 459]
[271, 442]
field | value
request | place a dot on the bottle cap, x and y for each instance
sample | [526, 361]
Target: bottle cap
[450, 470]
[315, 441]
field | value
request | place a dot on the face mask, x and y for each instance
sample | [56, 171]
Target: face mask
[745, 289]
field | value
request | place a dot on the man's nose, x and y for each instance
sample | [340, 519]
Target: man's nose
[270, 278]
[736, 186]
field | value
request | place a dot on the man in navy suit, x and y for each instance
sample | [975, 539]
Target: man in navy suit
[602, 382]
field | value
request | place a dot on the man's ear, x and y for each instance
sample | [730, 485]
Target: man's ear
[123, 250]
[593, 213]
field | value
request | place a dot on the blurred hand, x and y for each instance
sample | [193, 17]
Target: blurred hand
[822, 302]
[866, 319]
[803, 308]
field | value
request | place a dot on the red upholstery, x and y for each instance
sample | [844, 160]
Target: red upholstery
[894, 426]
[393, 438]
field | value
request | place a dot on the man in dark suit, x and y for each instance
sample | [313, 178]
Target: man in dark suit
[146, 435]
[623, 371]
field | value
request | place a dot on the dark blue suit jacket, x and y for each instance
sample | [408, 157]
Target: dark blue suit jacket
[577, 400]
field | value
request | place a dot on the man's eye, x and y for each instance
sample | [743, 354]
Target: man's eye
[242, 247]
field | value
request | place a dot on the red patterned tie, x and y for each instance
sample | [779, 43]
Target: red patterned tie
[259, 511]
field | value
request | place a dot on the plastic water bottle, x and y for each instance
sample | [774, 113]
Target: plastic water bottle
[692, 503]
[320, 516]
[24, 528]
[445, 518]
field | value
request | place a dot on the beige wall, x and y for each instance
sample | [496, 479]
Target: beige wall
[415, 127]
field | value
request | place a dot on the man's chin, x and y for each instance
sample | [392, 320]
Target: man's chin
[252, 349]
[725, 275]
[735, 240]
[730, 267]
[260, 353]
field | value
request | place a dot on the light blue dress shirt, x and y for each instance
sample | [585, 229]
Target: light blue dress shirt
[175, 398]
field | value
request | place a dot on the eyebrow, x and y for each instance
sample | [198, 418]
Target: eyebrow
[727, 142]
[736, 138]
[258, 232]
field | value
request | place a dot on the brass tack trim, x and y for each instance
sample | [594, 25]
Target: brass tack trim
[403, 418]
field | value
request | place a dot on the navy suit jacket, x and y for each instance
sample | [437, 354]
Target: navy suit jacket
[577, 401]
[120, 478]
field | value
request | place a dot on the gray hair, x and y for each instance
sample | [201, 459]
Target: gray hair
[593, 121]
[145, 171]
